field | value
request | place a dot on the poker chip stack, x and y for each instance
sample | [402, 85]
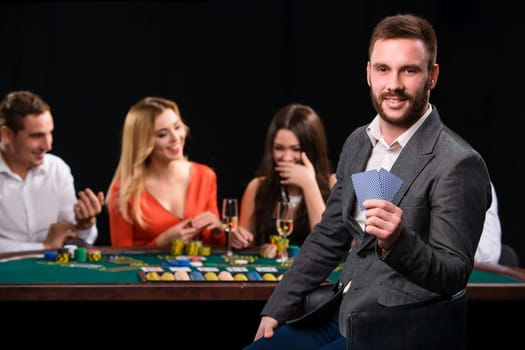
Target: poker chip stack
[62, 255]
[50, 255]
[205, 250]
[70, 252]
[293, 250]
[177, 247]
[66, 254]
[94, 255]
[192, 249]
[281, 243]
[71, 248]
[81, 254]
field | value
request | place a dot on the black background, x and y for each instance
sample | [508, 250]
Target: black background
[231, 64]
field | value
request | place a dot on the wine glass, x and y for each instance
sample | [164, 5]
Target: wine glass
[285, 213]
[230, 214]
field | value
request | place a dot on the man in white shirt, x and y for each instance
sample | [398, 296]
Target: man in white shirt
[38, 205]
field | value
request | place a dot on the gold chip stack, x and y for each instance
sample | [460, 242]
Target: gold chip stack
[205, 250]
[177, 247]
[192, 249]
[94, 255]
[62, 255]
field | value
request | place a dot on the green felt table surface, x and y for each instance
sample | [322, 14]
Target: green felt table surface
[121, 268]
[126, 268]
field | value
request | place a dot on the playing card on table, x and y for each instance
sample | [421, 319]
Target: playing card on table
[375, 184]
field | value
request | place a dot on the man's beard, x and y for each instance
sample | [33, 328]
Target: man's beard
[417, 106]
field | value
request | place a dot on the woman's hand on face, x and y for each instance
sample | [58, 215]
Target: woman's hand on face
[301, 175]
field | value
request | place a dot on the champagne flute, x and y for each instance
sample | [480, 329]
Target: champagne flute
[285, 213]
[230, 214]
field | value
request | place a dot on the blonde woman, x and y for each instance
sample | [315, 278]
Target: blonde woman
[157, 194]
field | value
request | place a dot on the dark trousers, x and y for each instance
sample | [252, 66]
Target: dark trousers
[326, 337]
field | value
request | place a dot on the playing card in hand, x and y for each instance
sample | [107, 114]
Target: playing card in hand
[367, 186]
[375, 184]
[390, 184]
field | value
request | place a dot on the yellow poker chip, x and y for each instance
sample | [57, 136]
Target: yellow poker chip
[240, 277]
[167, 276]
[153, 276]
[211, 276]
[269, 277]
[205, 250]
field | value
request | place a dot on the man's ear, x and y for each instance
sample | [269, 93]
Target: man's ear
[6, 134]
[368, 73]
[433, 77]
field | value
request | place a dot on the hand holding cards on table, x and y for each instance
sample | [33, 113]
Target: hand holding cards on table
[375, 184]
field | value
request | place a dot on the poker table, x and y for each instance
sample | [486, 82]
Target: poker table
[120, 274]
[114, 297]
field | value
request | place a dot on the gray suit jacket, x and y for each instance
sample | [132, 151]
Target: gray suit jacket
[444, 197]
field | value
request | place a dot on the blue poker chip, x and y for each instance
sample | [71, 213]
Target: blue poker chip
[254, 276]
[293, 250]
[177, 263]
[196, 276]
[50, 255]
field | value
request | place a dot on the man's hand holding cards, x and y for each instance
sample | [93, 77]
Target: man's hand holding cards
[375, 184]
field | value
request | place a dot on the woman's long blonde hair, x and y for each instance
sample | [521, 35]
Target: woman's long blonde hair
[137, 145]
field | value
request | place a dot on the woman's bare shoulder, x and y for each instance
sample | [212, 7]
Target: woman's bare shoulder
[255, 183]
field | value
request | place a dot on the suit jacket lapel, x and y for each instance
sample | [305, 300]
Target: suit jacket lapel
[417, 153]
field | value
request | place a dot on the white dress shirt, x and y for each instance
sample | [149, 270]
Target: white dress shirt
[29, 206]
[489, 247]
